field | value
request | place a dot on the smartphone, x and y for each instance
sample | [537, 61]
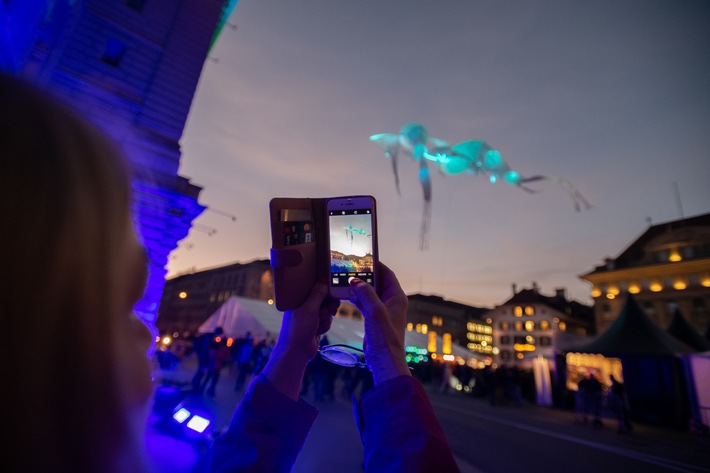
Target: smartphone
[352, 241]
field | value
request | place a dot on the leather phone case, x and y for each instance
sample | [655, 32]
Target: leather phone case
[299, 254]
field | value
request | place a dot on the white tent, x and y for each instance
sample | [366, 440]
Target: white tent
[239, 315]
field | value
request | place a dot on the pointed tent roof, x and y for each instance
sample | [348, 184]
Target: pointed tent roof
[238, 315]
[681, 329]
[633, 333]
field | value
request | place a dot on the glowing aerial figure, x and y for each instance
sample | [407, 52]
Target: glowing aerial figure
[472, 157]
[350, 231]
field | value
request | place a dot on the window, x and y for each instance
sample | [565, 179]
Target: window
[529, 325]
[545, 341]
[437, 321]
[136, 5]
[699, 304]
[113, 52]
[649, 308]
[505, 340]
[544, 325]
[505, 325]
[518, 311]
[530, 310]
[519, 339]
[518, 326]
[505, 355]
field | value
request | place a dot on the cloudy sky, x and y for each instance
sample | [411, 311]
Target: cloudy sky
[612, 95]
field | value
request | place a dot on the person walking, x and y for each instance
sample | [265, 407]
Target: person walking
[201, 347]
[618, 403]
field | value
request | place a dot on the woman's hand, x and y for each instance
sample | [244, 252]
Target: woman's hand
[385, 322]
[299, 339]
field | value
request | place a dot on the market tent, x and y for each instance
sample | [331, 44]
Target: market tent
[240, 314]
[653, 372]
[633, 333]
[681, 329]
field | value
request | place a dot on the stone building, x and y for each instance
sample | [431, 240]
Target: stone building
[131, 67]
[459, 323]
[666, 268]
[189, 299]
[530, 324]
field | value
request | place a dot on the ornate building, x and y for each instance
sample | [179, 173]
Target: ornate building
[666, 268]
[530, 324]
[131, 67]
[189, 299]
[458, 323]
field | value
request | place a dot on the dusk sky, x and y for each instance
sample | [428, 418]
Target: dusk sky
[612, 95]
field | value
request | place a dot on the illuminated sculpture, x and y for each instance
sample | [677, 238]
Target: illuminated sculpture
[472, 157]
[350, 232]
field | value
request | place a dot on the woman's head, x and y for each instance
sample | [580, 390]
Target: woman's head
[76, 353]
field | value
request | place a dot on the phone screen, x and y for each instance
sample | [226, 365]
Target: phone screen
[351, 252]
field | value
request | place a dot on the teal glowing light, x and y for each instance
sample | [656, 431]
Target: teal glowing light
[226, 11]
[471, 157]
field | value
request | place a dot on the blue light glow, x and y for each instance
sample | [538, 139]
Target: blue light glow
[181, 415]
[198, 423]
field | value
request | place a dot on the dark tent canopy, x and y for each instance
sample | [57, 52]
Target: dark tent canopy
[681, 329]
[633, 333]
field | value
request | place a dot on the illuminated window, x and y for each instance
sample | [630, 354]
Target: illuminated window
[679, 285]
[410, 327]
[418, 328]
[529, 325]
[425, 328]
[446, 343]
[437, 321]
[505, 325]
[656, 286]
[431, 346]
[596, 292]
[634, 288]
[562, 326]
[544, 325]
[518, 326]
[518, 311]
[529, 310]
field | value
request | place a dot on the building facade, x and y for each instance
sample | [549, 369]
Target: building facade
[456, 323]
[131, 67]
[666, 268]
[189, 299]
[530, 324]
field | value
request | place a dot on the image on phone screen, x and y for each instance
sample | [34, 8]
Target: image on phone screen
[350, 246]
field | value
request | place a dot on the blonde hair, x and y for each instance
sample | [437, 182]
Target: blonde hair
[66, 191]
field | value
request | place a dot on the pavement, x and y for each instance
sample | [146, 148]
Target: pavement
[335, 442]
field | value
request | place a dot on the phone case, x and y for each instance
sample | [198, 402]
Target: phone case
[299, 253]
